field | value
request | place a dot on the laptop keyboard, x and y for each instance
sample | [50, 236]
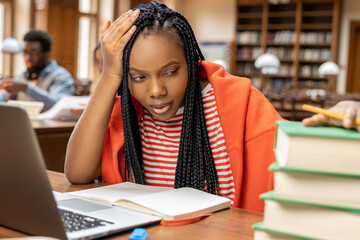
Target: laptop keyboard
[75, 221]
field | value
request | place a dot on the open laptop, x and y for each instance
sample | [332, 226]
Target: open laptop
[27, 202]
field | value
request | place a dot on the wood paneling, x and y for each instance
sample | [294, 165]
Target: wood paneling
[353, 73]
[63, 25]
[53, 137]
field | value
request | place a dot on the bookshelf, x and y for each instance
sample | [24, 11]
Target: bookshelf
[301, 33]
[249, 40]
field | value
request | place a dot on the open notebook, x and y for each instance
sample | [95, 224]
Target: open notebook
[27, 203]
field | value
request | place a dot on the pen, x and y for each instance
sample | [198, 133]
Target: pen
[326, 113]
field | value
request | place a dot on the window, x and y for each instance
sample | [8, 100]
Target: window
[88, 11]
[2, 15]
[5, 32]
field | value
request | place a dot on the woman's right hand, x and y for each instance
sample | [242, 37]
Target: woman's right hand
[114, 38]
[83, 154]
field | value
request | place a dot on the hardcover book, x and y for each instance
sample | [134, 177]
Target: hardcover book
[317, 187]
[310, 220]
[325, 149]
[262, 233]
[167, 203]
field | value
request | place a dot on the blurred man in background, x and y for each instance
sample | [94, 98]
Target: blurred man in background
[43, 80]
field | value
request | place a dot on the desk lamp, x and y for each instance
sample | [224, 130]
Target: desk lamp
[329, 69]
[268, 63]
[11, 46]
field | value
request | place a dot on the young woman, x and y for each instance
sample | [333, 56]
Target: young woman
[178, 121]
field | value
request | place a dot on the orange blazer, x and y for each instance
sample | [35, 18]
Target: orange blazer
[248, 120]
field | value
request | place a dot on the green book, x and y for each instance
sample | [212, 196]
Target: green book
[271, 196]
[310, 220]
[319, 149]
[342, 190]
[262, 233]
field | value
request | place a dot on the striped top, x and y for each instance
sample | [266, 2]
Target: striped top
[160, 146]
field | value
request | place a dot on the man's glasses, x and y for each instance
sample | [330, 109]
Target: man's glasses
[31, 53]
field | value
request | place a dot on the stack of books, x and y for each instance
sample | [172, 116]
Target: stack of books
[316, 185]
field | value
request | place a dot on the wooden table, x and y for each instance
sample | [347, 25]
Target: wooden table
[231, 223]
[53, 137]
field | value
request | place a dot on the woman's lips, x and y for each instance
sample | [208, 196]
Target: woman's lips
[160, 108]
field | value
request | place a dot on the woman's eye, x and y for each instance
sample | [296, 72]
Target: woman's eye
[137, 77]
[171, 72]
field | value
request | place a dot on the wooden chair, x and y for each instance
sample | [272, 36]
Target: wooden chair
[82, 87]
[298, 97]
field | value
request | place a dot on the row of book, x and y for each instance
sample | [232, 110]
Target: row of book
[286, 70]
[289, 37]
[277, 84]
[280, 83]
[248, 37]
[307, 54]
[245, 69]
[310, 54]
[315, 37]
[281, 37]
[308, 83]
[281, 52]
[284, 37]
[248, 52]
[316, 191]
[309, 70]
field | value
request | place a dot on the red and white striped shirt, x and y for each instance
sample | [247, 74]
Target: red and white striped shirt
[160, 146]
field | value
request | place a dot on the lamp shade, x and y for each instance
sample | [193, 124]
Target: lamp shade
[270, 70]
[267, 60]
[11, 45]
[329, 68]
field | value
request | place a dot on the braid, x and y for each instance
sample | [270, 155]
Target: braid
[132, 142]
[195, 164]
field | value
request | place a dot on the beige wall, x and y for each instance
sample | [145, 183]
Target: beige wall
[211, 20]
[350, 12]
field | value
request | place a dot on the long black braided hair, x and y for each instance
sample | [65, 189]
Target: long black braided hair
[195, 163]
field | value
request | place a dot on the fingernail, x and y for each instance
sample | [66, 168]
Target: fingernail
[135, 13]
[347, 122]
